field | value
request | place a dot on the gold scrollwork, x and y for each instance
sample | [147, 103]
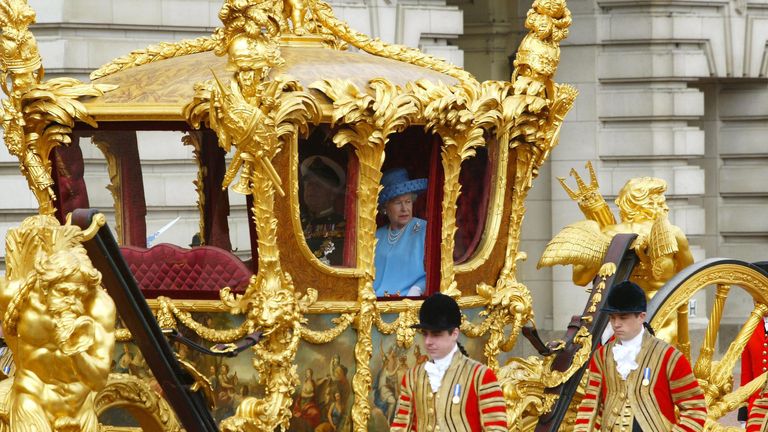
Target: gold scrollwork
[324, 14]
[450, 112]
[137, 397]
[525, 381]
[154, 53]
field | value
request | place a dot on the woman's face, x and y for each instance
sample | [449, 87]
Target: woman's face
[400, 210]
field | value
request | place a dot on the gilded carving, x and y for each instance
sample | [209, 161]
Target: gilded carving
[37, 116]
[259, 113]
[365, 120]
[103, 143]
[324, 15]
[661, 247]
[524, 382]
[450, 112]
[154, 53]
[136, 396]
[257, 126]
[194, 140]
[60, 324]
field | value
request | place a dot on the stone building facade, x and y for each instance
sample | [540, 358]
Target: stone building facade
[675, 89]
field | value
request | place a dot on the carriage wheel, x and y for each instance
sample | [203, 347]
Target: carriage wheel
[715, 377]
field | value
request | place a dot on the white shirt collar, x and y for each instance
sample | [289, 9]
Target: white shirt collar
[635, 341]
[436, 369]
[444, 362]
[625, 354]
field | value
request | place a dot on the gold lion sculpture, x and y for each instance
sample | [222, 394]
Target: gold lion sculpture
[60, 324]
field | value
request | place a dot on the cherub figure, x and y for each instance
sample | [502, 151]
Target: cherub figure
[662, 248]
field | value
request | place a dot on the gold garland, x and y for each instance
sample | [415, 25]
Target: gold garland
[321, 337]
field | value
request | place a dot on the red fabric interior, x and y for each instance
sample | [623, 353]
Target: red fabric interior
[68, 168]
[197, 273]
[472, 205]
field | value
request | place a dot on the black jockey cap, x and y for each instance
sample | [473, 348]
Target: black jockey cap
[439, 312]
[625, 297]
[321, 168]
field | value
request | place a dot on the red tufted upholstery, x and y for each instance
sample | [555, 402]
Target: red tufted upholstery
[197, 273]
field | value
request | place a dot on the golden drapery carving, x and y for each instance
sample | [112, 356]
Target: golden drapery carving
[60, 324]
[38, 115]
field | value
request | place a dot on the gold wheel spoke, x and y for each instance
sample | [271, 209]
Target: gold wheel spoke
[703, 367]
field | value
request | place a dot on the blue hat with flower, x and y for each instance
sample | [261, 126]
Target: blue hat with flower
[396, 182]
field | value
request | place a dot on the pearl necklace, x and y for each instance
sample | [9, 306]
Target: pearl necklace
[394, 236]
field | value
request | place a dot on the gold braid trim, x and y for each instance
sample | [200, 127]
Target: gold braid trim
[323, 12]
[153, 53]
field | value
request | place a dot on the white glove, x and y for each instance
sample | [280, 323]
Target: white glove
[413, 291]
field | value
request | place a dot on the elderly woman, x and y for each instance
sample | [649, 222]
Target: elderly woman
[400, 243]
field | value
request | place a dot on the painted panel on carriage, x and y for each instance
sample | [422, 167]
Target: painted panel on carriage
[322, 402]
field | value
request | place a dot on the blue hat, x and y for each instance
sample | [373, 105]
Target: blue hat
[396, 182]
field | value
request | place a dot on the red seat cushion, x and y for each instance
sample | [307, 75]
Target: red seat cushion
[197, 273]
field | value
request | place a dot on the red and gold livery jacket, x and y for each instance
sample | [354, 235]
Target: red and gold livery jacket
[754, 359]
[758, 412]
[611, 402]
[469, 400]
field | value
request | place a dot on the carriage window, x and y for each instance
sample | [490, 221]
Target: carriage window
[406, 216]
[472, 205]
[169, 171]
[326, 199]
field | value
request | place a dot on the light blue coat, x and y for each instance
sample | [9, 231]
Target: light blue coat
[400, 265]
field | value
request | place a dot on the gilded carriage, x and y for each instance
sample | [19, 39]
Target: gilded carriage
[277, 84]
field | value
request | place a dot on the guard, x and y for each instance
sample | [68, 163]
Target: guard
[450, 392]
[636, 380]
